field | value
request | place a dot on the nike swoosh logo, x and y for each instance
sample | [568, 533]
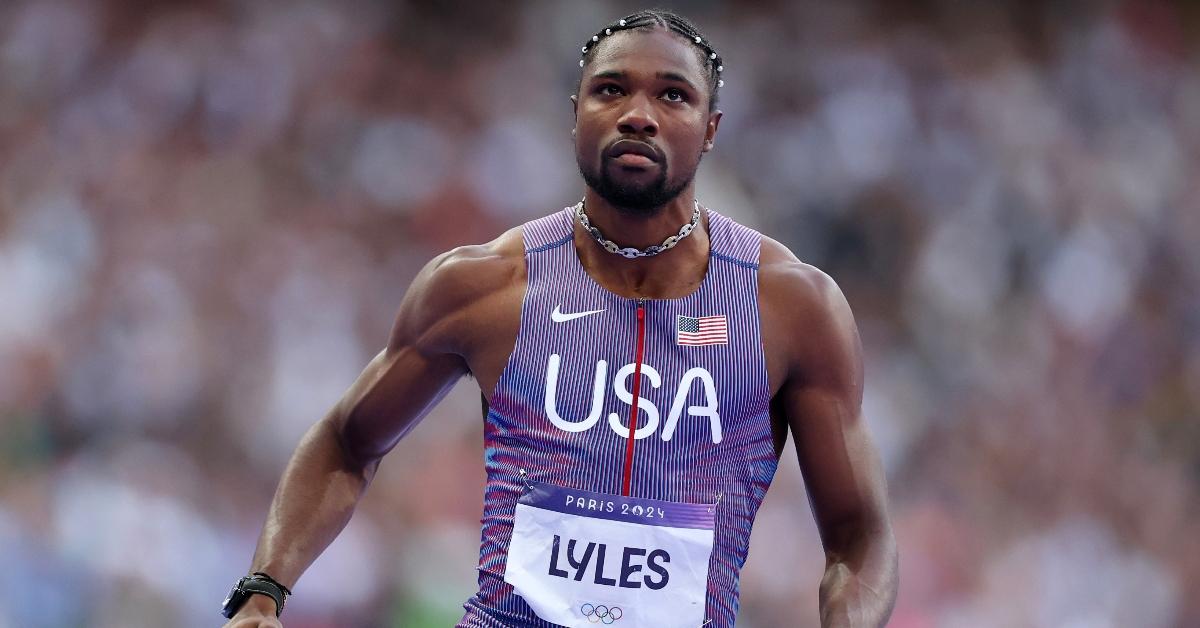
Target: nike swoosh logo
[558, 317]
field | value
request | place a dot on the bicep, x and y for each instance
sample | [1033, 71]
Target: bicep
[397, 389]
[405, 380]
[822, 402]
[838, 461]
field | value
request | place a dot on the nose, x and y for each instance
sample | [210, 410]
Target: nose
[638, 119]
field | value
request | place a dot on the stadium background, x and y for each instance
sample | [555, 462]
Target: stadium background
[210, 210]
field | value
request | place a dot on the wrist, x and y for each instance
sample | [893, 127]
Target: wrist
[252, 590]
[260, 604]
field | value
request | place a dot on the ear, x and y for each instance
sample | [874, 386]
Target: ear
[710, 132]
[574, 110]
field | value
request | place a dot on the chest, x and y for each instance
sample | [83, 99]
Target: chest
[590, 360]
[685, 343]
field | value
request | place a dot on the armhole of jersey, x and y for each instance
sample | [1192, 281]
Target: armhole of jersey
[537, 235]
[734, 242]
[547, 232]
[740, 245]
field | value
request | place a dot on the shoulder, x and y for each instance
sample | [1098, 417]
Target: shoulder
[452, 288]
[787, 281]
[472, 271]
[804, 312]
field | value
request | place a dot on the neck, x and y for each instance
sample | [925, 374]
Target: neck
[670, 274]
[639, 229]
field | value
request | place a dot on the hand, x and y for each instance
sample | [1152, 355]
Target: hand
[257, 612]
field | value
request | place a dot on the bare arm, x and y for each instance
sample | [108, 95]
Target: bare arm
[821, 400]
[337, 458]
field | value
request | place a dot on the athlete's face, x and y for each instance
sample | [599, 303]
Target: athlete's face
[642, 119]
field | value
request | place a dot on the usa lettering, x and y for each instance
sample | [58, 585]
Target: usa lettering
[696, 376]
[592, 559]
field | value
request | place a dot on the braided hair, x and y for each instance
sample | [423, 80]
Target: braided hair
[657, 18]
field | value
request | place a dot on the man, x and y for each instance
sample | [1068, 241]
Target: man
[638, 390]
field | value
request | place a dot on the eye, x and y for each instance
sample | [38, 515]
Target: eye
[608, 89]
[674, 94]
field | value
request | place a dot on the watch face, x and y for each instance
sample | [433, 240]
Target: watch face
[233, 602]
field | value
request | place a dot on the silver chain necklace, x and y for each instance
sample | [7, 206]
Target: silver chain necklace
[630, 252]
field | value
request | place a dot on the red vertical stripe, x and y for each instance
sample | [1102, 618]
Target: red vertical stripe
[637, 387]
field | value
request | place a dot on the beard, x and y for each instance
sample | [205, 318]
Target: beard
[639, 199]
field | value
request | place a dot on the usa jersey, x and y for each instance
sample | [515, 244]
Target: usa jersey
[560, 411]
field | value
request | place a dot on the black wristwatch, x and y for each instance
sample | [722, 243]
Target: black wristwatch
[257, 582]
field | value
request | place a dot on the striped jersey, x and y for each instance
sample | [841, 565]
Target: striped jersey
[561, 407]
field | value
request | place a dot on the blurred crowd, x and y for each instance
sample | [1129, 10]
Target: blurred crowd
[209, 211]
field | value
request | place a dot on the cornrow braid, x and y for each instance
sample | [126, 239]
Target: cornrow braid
[658, 18]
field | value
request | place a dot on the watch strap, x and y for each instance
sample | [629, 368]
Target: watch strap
[268, 578]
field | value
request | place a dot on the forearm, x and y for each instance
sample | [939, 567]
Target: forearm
[859, 587]
[315, 499]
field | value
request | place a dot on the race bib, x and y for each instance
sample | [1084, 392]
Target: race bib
[580, 558]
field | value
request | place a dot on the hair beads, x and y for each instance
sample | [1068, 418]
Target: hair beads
[676, 24]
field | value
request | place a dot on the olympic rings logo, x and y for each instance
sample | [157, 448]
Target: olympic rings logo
[601, 614]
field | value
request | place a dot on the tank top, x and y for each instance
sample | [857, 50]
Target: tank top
[561, 407]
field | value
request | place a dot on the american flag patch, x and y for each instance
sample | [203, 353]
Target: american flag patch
[706, 330]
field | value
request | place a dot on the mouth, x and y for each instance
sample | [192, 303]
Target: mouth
[632, 153]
